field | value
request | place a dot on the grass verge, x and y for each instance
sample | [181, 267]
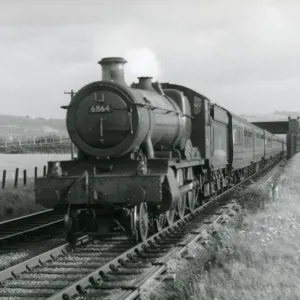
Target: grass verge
[256, 258]
[17, 202]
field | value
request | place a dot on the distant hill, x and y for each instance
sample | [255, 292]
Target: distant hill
[14, 128]
[275, 116]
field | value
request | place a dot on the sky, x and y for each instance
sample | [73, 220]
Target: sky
[243, 55]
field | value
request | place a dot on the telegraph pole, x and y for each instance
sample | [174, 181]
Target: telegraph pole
[71, 93]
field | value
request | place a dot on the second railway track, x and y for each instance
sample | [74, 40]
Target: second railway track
[16, 228]
[28, 236]
[115, 267]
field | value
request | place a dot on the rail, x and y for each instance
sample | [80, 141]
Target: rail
[19, 227]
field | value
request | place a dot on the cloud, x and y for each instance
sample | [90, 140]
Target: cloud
[57, 13]
[240, 54]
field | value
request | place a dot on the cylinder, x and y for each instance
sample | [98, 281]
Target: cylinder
[113, 69]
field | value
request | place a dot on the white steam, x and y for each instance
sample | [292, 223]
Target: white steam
[141, 62]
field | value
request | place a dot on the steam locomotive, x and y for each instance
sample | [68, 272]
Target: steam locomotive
[147, 154]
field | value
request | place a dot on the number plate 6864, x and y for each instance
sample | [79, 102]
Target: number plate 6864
[100, 108]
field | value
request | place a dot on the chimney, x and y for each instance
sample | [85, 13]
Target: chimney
[145, 84]
[113, 69]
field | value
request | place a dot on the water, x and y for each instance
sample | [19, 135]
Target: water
[10, 162]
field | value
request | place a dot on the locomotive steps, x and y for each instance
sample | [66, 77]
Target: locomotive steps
[54, 275]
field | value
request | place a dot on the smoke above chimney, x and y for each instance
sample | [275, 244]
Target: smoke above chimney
[113, 69]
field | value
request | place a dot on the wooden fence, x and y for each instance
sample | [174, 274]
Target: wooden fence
[17, 177]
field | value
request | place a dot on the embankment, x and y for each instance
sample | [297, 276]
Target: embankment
[256, 258]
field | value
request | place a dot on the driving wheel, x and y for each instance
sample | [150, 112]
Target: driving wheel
[182, 202]
[141, 222]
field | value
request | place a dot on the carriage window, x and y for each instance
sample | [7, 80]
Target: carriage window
[220, 137]
[248, 138]
[241, 140]
[234, 135]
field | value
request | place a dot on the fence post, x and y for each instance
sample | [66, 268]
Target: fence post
[3, 179]
[35, 173]
[44, 171]
[24, 177]
[16, 177]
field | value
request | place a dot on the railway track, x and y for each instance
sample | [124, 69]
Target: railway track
[115, 268]
[30, 228]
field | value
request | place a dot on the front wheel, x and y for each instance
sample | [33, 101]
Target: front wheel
[71, 225]
[140, 222]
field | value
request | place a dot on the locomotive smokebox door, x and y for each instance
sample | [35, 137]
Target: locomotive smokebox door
[103, 121]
